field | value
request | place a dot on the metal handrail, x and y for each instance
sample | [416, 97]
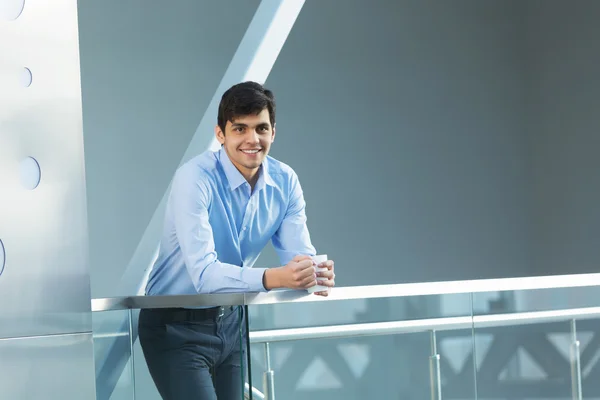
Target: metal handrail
[358, 330]
[348, 293]
[422, 325]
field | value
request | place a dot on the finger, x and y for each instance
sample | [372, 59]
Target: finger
[325, 274]
[306, 273]
[308, 282]
[305, 264]
[303, 269]
[326, 264]
[324, 294]
[329, 282]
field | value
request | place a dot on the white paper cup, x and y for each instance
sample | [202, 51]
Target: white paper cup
[318, 288]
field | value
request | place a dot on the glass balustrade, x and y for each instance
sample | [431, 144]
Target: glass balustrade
[401, 347]
[113, 339]
[389, 341]
[529, 343]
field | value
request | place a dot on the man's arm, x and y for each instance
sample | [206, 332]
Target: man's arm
[190, 199]
[292, 238]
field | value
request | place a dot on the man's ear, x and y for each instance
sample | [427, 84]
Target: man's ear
[219, 134]
[273, 134]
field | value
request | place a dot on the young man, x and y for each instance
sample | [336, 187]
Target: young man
[223, 209]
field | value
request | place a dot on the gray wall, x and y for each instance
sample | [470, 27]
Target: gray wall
[405, 125]
[563, 55]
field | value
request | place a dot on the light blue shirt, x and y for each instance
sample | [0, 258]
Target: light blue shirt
[215, 227]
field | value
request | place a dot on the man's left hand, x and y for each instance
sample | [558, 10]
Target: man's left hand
[329, 276]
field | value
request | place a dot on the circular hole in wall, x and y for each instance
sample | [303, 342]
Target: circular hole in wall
[11, 9]
[30, 172]
[26, 77]
[2, 257]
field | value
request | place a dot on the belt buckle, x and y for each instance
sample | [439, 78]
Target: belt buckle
[221, 312]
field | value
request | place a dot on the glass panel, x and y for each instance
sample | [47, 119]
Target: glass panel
[392, 359]
[524, 339]
[585, 349]
[112, 354]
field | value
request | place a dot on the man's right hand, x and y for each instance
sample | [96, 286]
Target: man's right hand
[297, 274]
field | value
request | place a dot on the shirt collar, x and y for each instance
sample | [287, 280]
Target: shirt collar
[264, 173]
[236, 179]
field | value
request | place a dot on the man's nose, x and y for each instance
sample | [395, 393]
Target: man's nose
[252, 136]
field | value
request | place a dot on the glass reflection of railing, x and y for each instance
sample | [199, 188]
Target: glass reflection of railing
[433, 317]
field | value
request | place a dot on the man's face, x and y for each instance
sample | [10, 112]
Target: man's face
[247, 141]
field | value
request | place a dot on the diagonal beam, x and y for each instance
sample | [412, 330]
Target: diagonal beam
[253, 60]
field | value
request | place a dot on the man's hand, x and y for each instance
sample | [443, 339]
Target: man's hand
[300, 273]
[329, 276]
[297, 274]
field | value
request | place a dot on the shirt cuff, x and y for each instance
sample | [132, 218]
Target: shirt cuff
[254, 278]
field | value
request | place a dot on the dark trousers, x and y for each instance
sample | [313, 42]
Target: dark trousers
[195, 354]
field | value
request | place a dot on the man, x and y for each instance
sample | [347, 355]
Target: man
[223, 209]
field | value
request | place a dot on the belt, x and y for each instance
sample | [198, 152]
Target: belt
[196, 314]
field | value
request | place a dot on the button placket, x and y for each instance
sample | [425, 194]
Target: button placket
[248, 215]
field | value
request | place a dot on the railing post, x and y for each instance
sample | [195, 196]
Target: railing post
[435, 380]
[131, 350]
[575, 364]
[269, 376]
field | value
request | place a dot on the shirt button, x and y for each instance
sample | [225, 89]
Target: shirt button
[244, 228]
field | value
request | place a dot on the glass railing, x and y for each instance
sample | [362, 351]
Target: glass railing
[538, 343]
[113, 350]
[505, 338]
[396, 347]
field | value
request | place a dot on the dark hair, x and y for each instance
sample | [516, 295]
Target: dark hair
[245, 98]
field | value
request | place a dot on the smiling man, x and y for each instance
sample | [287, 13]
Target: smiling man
[223, 208]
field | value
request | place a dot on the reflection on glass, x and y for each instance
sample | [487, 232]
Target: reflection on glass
[112, 332]
[535, 343]
[585, 353]
[368, 348]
